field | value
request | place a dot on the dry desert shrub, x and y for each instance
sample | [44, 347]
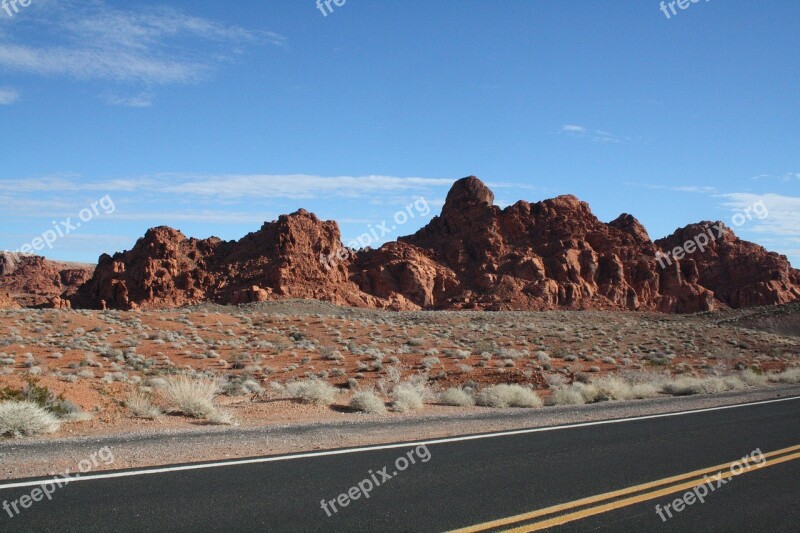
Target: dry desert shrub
[616, 388]
[712, 385]
[191, 396]
[457, 397]
[572, 394]
[312, 391]
[645, 390]
[240, 386]
[790, 375]
[141, 405]
[407, 397]
[367, 402]
[18, 419]
[603, 389]
[430, 362]
[753, 379]
[500, 396]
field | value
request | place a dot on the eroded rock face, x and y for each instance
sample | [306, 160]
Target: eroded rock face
[284, 259]
[545, 255]
[33, 281]
[474, 255]
[740, 273]
[7, 301]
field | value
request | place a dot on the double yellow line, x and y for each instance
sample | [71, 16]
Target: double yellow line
[670, 485]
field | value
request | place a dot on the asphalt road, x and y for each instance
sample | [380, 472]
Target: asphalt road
[461, 483]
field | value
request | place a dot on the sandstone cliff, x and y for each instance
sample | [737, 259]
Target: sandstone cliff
[474, 255]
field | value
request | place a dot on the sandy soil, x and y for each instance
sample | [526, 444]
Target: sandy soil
[97, 359]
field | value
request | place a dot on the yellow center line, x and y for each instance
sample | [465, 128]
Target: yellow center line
[608, 495]
[585, 513]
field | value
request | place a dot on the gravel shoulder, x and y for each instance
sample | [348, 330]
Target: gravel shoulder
[33, 458]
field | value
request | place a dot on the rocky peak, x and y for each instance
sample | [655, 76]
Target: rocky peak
[468, 192]
[630, 225]
[164, 233]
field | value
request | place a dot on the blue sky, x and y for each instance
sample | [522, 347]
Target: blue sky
[213, 117]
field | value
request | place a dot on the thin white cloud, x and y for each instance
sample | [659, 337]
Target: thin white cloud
[232, 186]
[218, 217]
[140, 100]
[299, 186]
[142, 45]
[8, 96]
[786, 177]
[677, 188]
[783, 213]
[605, 137]
[573, 128]
[16, 205]
[602, 136]
[144, 28]
[89, 63]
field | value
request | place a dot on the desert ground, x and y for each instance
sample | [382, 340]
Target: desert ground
[105, 372]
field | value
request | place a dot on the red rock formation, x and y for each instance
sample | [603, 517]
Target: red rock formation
[545, 255]
[740, 273]
[281, 260]
[35, 281]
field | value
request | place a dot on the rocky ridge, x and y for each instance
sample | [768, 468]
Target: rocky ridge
[474, 255]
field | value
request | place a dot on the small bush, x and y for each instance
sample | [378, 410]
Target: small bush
[190, 396]
[568, 395]
[18, 419]
[790, 375]
[602, 389]
[688, 386]
[367, 402]
[500, 396]
[240, 386]
[406, 397]
[41, 396]
[752, 379]
[312, 391]
[430, 362]
[457, 397]
[612, 388]
[641, 391]
[141, 405]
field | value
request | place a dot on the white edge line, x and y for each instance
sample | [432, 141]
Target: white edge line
[202, 466]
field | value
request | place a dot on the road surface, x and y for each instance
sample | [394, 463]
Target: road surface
[606, 476]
